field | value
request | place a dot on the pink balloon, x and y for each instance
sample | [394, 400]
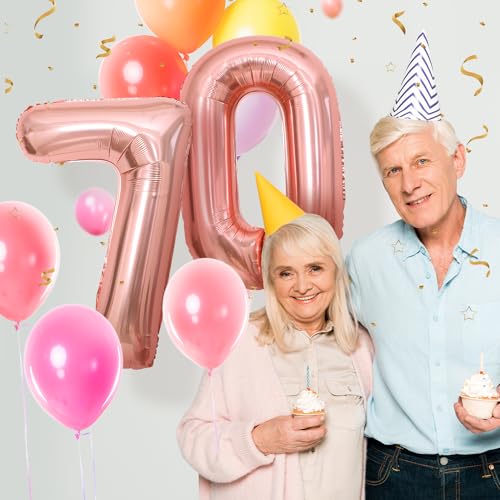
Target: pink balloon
[205, 309]
[29, 259]
[142, 66]
[255, 115]
[94, 210]
[331, 8]
[72, 364]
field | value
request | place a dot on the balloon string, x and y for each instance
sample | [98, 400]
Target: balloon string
[81, 465]
[214, 418]
[92, 457]
[17, 327]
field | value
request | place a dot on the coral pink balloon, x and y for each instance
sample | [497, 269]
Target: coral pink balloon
[94, 210]
[205, 309]
[331, 8]
[142, 66]
[29, 259]
[72, 364]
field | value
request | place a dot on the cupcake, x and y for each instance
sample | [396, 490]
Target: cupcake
[308, 403]
[479, 395]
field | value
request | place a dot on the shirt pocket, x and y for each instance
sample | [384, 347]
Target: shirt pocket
[345, 405]
[291, 388]
[480, 334]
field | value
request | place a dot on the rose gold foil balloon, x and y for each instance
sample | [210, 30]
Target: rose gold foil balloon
[314, 168]
[147, 142]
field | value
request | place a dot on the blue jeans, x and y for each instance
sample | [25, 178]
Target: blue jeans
[393, 473]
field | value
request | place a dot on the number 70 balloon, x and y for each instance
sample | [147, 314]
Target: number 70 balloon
[148, 140]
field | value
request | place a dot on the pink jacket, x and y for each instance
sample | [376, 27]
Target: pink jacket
[246, 392]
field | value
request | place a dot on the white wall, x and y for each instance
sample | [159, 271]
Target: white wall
[135, 448]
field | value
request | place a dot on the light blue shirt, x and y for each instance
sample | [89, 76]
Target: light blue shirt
[428, 340]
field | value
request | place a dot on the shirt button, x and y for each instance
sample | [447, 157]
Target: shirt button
[438, 363]
[443, 461]
[427, 275]
[435, 317]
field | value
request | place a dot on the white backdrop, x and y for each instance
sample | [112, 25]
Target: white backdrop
[135, 447]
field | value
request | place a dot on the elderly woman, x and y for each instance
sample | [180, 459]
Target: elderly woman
[245, 443]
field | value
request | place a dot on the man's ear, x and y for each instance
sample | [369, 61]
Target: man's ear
[459, 160]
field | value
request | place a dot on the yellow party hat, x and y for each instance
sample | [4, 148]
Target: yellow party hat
[277, 209]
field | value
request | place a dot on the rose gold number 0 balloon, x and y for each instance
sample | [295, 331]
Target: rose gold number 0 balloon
[147, 142]
[301, 85]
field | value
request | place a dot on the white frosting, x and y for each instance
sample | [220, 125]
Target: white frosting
[479, 386]
[308, 401]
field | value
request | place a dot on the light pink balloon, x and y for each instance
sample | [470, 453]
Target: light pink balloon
[94, 210]
[255, 115]
[72, 364]
[331, 8]
[205, 309]
[29, 259]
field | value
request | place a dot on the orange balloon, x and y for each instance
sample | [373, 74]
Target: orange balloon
[183, 24]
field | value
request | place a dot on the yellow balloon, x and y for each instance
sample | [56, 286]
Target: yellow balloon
[256, 17]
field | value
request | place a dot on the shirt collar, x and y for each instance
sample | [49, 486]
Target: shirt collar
[412, 244]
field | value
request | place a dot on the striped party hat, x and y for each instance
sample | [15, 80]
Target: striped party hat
[417, 98]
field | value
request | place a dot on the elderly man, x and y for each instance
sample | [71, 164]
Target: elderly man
[427, 288]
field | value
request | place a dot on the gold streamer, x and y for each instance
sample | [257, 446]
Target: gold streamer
[43, 16]
[397, 22]
[476, 137]
[10, 84]
[477, 76]
[46, 279]
[480, 262]
[107, 50]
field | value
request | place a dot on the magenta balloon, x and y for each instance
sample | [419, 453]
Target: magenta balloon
[29, 259]
[205, 309]
[72, 364]
[94, 210]
[255, 115]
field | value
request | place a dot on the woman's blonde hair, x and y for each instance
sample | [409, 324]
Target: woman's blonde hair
[312, 235]
[390, 129]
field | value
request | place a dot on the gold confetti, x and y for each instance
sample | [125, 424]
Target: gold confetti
[390, 67]
[482, 23]
[10, 84]
[477, 76]
[56, 228]
[50, 68]
[43, 16]
[421, 287]
[106, 50]
[354, 38]
[485, 205]
[397, 22]
[351, 60]
[6, 28]
[476, 137]
[480, 262]
[60, 163]
[425, 4]
[94, 87]
[76, 25]
[46, 279]
[103, 243]
[141, 25]
[311, 11]
[121, 282]
[162, 65]
[373, 323]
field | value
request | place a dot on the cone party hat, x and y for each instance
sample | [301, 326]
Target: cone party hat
[277, 209]
[417, 98]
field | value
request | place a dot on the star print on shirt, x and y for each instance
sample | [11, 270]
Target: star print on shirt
[397, 246]
[468, 313]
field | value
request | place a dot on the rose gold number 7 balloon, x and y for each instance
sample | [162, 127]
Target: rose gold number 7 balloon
[299, 82]
[147, 142]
